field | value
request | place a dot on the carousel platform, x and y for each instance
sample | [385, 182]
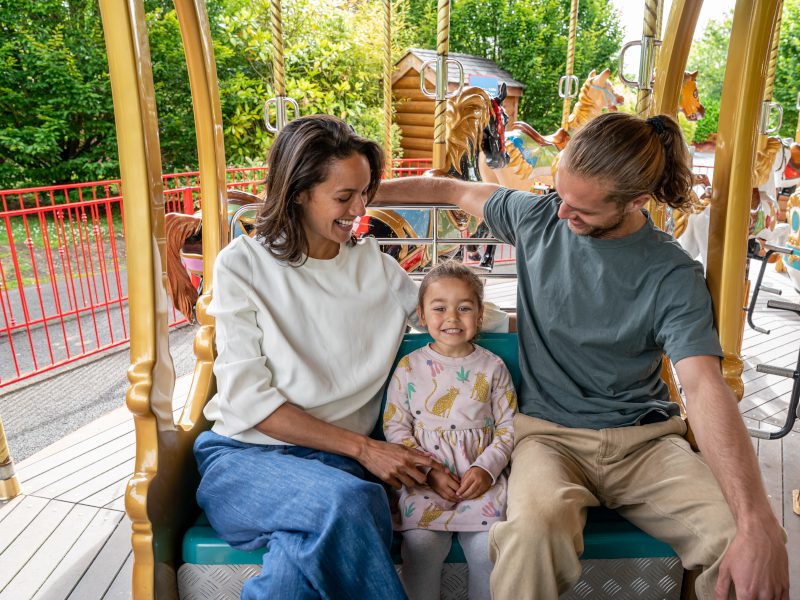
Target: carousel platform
[67, 535]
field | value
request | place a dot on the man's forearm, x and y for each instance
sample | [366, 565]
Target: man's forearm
[726, 448]
[468, 196]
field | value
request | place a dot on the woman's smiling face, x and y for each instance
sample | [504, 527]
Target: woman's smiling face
[331, 206]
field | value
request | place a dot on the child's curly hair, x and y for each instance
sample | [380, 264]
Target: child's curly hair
[452, 269]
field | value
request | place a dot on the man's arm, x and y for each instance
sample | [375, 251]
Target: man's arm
[468, 196]
[756, 562]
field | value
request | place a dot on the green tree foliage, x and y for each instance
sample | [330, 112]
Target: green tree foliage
[56, 114]
[710, 56]
[529, 40]
[57, 123]
[787, 72]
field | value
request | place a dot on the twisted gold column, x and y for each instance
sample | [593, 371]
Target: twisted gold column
[573, 26]
[649, 30]
[440, 108]
[770, 84]
[387, 86]
[276, 26]
[9, 484]
[749, 48]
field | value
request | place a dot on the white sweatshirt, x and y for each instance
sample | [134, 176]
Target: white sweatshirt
[321, 336]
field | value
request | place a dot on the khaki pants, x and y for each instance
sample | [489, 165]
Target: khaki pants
[648, 473]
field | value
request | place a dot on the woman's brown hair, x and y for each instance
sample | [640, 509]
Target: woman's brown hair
[634, 157]
[300, 159]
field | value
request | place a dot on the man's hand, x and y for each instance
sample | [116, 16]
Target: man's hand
[474, 483]
[444, 483]
[756, 566]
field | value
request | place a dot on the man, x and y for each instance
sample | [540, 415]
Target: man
[602, 294]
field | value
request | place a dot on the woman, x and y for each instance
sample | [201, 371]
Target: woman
[307, 325]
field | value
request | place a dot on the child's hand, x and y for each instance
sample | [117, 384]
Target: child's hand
[474, 483]
[444, 483]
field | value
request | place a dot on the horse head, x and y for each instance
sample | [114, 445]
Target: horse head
[596, 94]
[690, 99]
[493, 144]
[601, 93]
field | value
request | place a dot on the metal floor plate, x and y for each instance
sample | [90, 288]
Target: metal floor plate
[626, 579]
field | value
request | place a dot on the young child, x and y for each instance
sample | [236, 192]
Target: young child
[456, 401]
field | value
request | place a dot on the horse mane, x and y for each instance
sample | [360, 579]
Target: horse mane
[765, 159]
[178, 228]
[467, 115]
[518, 165]
[584, 108]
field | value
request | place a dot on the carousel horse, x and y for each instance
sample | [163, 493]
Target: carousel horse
[532, 155]
[475, 125]
[776, 167]
[791, 262]
[689, 103]
[185, 251]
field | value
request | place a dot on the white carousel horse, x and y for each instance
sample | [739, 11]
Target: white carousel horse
[775, 169]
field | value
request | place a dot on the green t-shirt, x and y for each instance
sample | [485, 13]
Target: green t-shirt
[595, 315]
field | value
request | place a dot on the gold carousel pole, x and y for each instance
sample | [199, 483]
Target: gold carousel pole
[568, 81]
[766, 104]
[647, 61]
[151, 372]
[797, 130]
[280, 100]
[650, 39]
[387, 86]
[440, 108]
[750, 42]
[673, 54]
[9, 484]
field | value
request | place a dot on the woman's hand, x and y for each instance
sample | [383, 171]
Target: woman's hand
[474, 483]
[444, 483]
[395, 464]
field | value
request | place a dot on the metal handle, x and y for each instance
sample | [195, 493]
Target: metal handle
[572, 84]
[422, 87]
[629, 82]
[280, 103]
[646, 76]
[762, 434]
[784, 305]
[777, 249]
[773, 370]
[460, 67]
[766, 115]
[441, 78]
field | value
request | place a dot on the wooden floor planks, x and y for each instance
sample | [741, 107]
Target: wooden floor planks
[68, 535]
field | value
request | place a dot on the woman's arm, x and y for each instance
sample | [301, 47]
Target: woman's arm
[468, 196]
[392, 463]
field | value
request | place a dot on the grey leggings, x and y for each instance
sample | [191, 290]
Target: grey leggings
[423, 553]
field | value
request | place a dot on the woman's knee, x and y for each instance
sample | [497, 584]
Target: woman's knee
[357, 501]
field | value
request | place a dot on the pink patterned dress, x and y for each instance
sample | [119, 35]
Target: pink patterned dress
[460, 410]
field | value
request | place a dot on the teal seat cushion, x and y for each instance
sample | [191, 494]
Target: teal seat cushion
[607, 535]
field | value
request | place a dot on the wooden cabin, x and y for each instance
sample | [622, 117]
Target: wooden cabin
[414, 112]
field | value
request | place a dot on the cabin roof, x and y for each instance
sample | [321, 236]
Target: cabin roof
[473, 65]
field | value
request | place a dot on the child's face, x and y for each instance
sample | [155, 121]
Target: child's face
[451, 313]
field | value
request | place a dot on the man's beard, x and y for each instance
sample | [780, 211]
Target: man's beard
[601, 231]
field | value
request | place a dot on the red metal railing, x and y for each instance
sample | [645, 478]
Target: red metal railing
[63, 286]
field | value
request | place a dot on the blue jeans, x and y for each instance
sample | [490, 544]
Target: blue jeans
[328, 531]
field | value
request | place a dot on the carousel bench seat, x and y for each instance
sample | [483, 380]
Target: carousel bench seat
[607, 536]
